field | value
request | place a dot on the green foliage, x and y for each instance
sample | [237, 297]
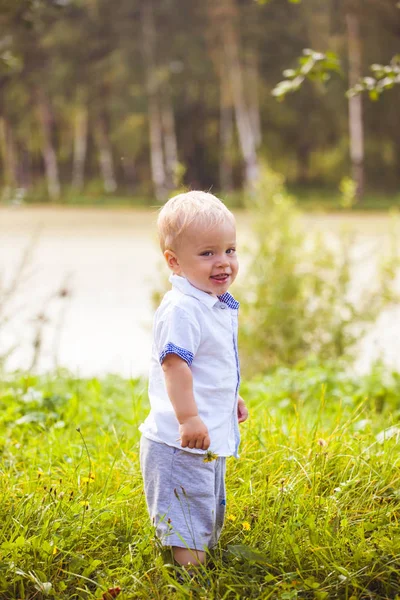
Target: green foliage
[385, 77]
[306, 137]
[299, 297]
[9, 63]
[312, 503]
[315, 66]
[348, 189]
[327, 199]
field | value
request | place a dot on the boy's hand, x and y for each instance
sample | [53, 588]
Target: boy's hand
[194, 434]
[242, 411]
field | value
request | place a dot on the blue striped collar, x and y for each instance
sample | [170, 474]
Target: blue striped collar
[184, 286]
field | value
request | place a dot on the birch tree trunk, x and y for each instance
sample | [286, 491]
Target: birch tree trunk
[48, 150]
[8, 157]
[252, 98]
[155, 122]
[243, 120]
[80, 147]
[226, 137]
[356, 125]
[224, 15]
[105, 156]
[170, 143]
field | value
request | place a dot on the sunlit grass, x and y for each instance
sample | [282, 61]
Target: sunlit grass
[313, 502]
[309, 198]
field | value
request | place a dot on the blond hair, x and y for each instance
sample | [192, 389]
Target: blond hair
[183, 210]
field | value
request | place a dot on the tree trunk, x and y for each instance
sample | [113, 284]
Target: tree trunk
[317, 18]
[243, 120]
[303, 160]
[155, 123]
[170, 143]
[24, 169]
[156, 149]
[80, 147]
[224, 15]
[48, 151]
[8, 157]
[356, 125]
[129, 169]
[105, 156]
[226, 137]
[252, 97]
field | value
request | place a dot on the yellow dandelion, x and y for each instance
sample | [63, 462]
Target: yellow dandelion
[55, 550]
[88, 479]
[210, 456]
[231, 518]
[85, 504]
[246, 525]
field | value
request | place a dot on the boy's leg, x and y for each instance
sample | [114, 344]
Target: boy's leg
[180, 496]
[185, 556]
[220, 499]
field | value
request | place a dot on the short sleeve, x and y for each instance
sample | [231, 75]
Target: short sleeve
[178, 333]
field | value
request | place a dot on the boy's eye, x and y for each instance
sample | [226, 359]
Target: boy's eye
[231, 251]
[207, 253]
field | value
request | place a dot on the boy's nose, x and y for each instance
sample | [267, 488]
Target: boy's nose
[222, 261]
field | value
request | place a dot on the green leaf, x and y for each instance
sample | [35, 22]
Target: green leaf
[311, 583]
[282, 88]
[247, 553]
[374, 96]
[20, 541]
[289, 73]
[93, 565]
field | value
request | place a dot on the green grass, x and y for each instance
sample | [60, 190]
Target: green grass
[313, 502]
[308, 198]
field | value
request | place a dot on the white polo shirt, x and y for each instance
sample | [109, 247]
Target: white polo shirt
[201, 329]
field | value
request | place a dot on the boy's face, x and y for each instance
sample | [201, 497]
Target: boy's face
[206, 257]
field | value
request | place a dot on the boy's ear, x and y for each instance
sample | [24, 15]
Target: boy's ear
[172, 261]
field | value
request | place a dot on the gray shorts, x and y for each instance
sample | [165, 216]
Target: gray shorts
[185, 496]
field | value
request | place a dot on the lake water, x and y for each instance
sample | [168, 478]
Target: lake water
[109, 262]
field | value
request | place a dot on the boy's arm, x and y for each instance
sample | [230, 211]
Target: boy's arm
[243, 412]
[179, 382]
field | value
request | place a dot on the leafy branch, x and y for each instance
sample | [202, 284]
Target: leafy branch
[315, 66]
[384, 78]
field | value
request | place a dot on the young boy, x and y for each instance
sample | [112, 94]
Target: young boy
[194, 378]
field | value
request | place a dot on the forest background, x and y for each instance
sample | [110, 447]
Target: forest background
[119, 102]
[103, 100]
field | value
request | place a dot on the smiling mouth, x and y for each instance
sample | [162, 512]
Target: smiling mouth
[222, 277]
